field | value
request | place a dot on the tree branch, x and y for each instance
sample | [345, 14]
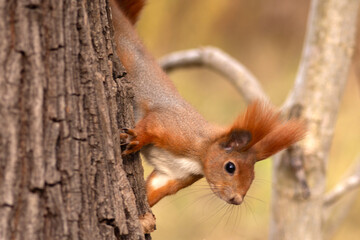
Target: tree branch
[341, 189]
[334, 214]
[325, 61]
[215, 59]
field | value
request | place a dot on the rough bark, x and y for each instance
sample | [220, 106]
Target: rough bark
[62, 101]
[318, 89]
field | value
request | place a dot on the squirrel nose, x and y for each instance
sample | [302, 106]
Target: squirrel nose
[236, 199]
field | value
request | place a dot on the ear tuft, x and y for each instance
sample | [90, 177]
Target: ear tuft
[259, 119]
[282, 137]
[268, 133]
[236, 139]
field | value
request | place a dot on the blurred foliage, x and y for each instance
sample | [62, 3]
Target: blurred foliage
[267, 37]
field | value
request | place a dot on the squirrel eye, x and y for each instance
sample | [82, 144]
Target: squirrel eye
[230, 167]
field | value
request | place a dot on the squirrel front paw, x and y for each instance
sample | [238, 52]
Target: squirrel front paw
[129, 139]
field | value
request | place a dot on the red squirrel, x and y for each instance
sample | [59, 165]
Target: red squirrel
[173, 137]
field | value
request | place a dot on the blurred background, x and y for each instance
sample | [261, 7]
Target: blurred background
[266, 36]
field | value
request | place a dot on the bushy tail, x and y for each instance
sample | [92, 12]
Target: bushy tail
[131, 8]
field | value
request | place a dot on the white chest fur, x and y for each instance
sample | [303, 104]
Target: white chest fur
[173, 166]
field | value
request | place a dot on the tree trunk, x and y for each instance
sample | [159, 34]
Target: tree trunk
[63, 97]
[317, 94]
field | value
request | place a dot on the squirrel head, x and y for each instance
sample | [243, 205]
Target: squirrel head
[255, 135]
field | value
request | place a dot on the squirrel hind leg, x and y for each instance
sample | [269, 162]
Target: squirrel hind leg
[159, 185]
[148, 222]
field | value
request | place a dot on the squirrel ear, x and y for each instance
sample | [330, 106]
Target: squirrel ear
[236, 139]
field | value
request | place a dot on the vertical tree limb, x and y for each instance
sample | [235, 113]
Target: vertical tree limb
[318, 89]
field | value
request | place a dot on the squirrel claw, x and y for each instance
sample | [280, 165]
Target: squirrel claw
[131, 148]
[128, 139]
[129, 132]
[127, 135]
[123, 136]
[132, 145]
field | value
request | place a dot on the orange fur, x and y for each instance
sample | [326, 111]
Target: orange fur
[269, 133]
[259, 119]
[159, 127]
[282, 136]
[268, 136]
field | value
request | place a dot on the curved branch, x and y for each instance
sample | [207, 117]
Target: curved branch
[341, 189]
[217, 60]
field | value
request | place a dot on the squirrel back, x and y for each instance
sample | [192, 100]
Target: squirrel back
[156, 97]
[153, 87]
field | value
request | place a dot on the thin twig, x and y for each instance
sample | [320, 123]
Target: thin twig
[217, 60]
[341, 189]
[334, 214]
